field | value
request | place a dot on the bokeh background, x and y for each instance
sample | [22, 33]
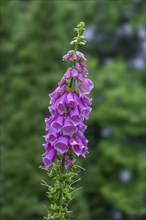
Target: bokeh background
[35, 34]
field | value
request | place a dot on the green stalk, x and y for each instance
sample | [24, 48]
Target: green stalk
[76, 46]
[62, 171]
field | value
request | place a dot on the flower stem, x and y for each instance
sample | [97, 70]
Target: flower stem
[76, 47]
[79, 39]
[62, 171]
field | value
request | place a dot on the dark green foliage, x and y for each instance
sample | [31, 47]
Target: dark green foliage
[35, 35]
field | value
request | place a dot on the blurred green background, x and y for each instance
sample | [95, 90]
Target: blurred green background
[35, 34]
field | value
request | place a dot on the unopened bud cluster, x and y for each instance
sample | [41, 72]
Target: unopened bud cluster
[80, 39]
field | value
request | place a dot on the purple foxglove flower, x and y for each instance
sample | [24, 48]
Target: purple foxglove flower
[68, 127]
[74, 72]
[82, 146]
[68, 162]
[57, 124]
[82, 137]
[47, 146]
[82, 127]
[86, 100]
[67, 75]
[54, 95]
[72, 99]
[84, 110]
[66, 57]
[49, 157]
[82, 142]
[80, 78]
[51, 137]
[48, 121]
[53, 108]
[75, 147]
[58, 92]
[84, 151]
[71, 52]
[84, 87]
[84, 71]
[78, 67]
[62, 144]
[61, 106]
[75, 116]
[75, 56]
[83, 64]
[81, 56]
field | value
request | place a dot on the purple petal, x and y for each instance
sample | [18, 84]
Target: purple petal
[67, 75]
[84, 71]
[68, 128]
[74, 72]
[84, 110]
[75, 57]
[49, 157]
[75, 146]
[84, 151]
[86, 100]
[61, 106]
[82, 127]
[83, 64]
[84, 87]
[71, 52]
[81, 56]
[78, 66]
[54, 94]
[72, 99]
[66, 57]
[82, 138]
[57, 93]
[53, 108]
[75, 116]
[68, 162]
[51, 137]
[57, 123]
[83, 145]
[48, 121]
[47, 146]
[80, 77]
[61, 145]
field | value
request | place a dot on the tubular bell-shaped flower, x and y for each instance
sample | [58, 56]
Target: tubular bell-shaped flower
[49, 157]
